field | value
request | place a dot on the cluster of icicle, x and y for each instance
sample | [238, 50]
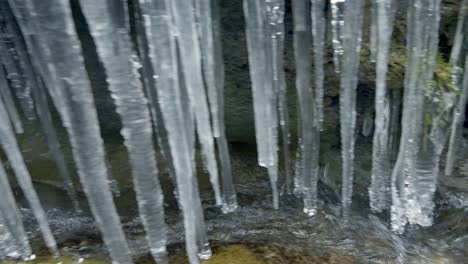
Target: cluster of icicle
[169, 82]
[172, 89]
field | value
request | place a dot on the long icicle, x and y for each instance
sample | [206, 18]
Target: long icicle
[79, 115]
[213, 73]
[381, 171]
[337, 28]
[353, 18]
[31, 67]
[456, 58]
[317, 10]
[149, 83]
[163, 54]
[229, 191]
[12, 151]
[407, 177]
[275, 16]
[108, 27]
[21, 84]
[264, 95]
[10, 214]
[186, 35]
[310, 131]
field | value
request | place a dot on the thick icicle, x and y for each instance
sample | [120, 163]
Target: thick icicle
[264, 94]
[163, 53]
[412, 183]
[456, 60]
[337, 27]
[229, 191]
[79, 116]
[108, 26]
[318, 40]
[12, 221]
[186, 34]
[7, 98]
[12, 151]
[309, 127]
[381, 171]
[352, 31]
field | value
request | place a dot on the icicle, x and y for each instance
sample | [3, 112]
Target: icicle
[108, 27]
[229, 192]
[40, 100]
[309, 140]
[16, 68]
[353, 17]
[7, 98]
[213, 73]
[275, 16]
[318, 37]
[12, 151]
[10, 219]
[337, 26]
[264, 94]
[163, 53]
[412, 184]
[381, 170]
[79, 116]
[374, 29]
[149, 83]
[456, 62]
[182, 13]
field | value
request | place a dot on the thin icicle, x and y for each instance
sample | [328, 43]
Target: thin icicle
[42, 109]
[12, 151]
[374, 42]
[79, 116]
[229, 191]
[16, 67]
[163, 54]
[108, 26]
[456, 60]
[411, 184]
[318, 40]
[205, 34]
[149, 83]
[264, 95]
[12, 221]
[353, 17]
[379, 190]
[275, 16]
[309, 140]
[7, 98]
[337, 27]
[186, 34]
